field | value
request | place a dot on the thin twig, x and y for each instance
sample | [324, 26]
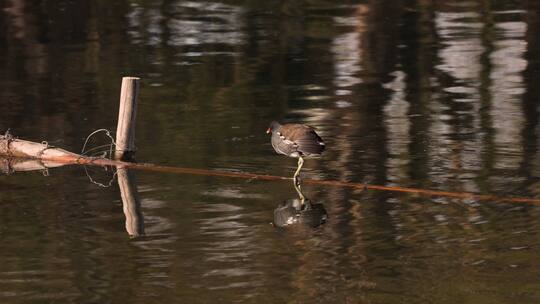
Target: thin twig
[107, 132]
[104, 154]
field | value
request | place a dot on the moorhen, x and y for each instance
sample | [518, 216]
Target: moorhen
[296, 140]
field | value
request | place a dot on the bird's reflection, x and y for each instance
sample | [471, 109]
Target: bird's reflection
[293, 212]
[300, 211]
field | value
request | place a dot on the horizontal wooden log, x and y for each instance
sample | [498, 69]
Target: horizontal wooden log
[10, 146]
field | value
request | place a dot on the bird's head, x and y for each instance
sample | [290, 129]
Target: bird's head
[274, 125]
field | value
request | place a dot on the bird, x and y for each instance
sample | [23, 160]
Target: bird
[295, 140]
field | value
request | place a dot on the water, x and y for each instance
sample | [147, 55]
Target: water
[414, 94]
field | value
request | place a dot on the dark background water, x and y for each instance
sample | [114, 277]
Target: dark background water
[432, 94]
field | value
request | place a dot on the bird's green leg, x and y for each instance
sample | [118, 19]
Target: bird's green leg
[295, 177]
[296, 180]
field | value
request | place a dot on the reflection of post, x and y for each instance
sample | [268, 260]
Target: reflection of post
[130, 202]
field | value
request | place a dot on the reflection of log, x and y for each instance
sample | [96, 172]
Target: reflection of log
[9, 165]
[130, 202]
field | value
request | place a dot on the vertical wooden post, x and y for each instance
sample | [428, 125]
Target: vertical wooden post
[125, 130]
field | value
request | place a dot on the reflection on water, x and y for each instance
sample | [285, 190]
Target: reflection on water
[398, 129]
[294, 212]
[459, 149]
[439, 95]
[130, 202]
[189, 24]
[506, 90]
[347, 51]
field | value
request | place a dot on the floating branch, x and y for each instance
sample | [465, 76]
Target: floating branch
[360, 186]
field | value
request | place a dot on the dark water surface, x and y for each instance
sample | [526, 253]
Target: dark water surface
[431, 94]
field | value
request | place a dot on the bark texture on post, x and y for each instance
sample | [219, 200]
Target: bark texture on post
[125, 130]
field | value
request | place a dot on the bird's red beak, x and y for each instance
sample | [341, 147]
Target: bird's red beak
[268, 130]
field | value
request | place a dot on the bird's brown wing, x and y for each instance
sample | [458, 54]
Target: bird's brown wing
[307, 142]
